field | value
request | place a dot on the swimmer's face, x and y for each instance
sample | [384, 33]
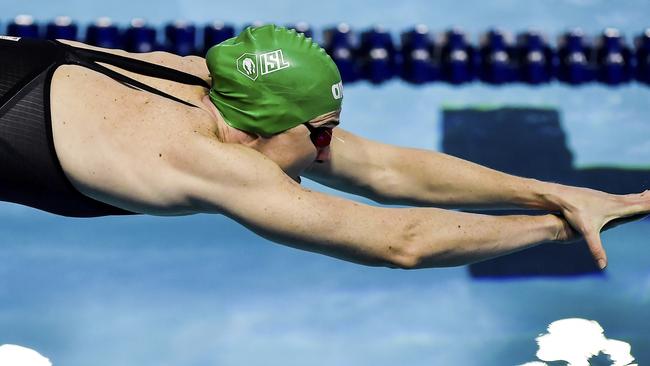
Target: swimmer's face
[294, 151]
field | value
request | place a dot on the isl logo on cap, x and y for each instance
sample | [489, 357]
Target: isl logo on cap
[252, 65]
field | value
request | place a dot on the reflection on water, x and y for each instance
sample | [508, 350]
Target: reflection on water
[12, 355]
[576, 341]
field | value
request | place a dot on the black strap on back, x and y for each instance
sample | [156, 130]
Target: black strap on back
[90, 58]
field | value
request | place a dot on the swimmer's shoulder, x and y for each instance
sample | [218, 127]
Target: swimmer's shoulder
[190, 64]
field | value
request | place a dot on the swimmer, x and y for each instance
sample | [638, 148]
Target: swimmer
[90, 132]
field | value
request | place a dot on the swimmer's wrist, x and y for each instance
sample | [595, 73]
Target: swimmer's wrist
[542, 195]
[559, 229]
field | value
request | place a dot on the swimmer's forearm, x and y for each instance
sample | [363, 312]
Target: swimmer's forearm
[433, 178]
[474, 238]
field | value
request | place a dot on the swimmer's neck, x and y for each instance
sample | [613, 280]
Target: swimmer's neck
[225, 132]
[290, 161]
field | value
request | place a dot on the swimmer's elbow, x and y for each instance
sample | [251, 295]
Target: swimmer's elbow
[403, 262]
[415, 248]
[388, 187]
[405, 252]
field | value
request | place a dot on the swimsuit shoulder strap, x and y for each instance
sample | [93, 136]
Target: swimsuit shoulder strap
[91, 58]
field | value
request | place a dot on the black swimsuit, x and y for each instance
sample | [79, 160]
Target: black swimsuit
[31, 173]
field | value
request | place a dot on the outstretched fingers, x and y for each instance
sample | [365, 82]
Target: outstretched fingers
[645, 200]
[596, 248]
[628, 208]
[638, 203]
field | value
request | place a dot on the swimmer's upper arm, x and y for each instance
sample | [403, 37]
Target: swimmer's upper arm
[360, 166]
[253, 190]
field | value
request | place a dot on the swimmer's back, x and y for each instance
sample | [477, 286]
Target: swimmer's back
[116, 143]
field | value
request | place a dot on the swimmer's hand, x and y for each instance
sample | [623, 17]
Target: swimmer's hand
[587, 212]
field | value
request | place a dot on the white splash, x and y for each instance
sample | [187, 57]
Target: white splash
[576, 340]
[12, 355]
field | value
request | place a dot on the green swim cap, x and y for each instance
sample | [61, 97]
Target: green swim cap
[270, 79]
